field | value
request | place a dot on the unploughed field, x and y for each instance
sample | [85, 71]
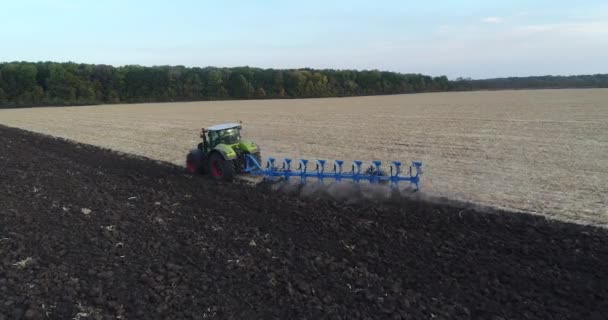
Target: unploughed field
[87, 233]
[542, 151]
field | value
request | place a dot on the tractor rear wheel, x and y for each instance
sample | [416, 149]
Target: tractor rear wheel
[220, 168]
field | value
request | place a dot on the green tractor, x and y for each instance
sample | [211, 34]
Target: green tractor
[222, 152]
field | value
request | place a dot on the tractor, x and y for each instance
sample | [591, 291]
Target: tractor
[222, 153]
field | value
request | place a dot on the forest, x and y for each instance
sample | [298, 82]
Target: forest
[539, 82]
[51, 83]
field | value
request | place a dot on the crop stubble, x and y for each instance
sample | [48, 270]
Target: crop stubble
[543, 151]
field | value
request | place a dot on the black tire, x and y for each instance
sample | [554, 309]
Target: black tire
[195, 162]
[220, 168]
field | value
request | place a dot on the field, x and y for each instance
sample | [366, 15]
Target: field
[87, 233]
[542, 151]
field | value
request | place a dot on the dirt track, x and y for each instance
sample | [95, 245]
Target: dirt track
[100, 235]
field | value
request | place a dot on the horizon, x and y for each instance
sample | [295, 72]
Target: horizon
[468, 39]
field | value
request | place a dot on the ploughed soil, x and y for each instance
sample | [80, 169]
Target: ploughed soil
[87, 233]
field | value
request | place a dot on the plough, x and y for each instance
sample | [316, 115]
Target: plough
[223, 154]
[374, 174]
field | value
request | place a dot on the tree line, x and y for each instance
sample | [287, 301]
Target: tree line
[536, 82]
[51, 83]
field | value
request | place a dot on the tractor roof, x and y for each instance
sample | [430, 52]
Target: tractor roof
[224, 126]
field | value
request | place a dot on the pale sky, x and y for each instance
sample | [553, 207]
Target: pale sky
[479, 39]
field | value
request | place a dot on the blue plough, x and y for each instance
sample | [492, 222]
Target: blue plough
[373, 175]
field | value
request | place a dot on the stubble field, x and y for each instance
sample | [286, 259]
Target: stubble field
[543, 151]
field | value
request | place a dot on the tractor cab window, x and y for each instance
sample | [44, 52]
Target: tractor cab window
[212, 138]
[228, 136]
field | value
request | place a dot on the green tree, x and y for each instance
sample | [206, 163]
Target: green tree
[295, 82]
[215, 85]
[239, 87]
[3, 99]
[260, 92]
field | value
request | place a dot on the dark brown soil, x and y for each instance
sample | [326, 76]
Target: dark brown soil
[161, 244]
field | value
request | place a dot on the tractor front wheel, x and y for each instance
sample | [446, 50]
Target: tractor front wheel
[194, 162]
[220, 168]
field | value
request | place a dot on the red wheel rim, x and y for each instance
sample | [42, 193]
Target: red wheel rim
[215, 169]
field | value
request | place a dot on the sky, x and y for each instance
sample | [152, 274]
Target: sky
[466, 38]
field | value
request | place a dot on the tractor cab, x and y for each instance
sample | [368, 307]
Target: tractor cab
[227, 133]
